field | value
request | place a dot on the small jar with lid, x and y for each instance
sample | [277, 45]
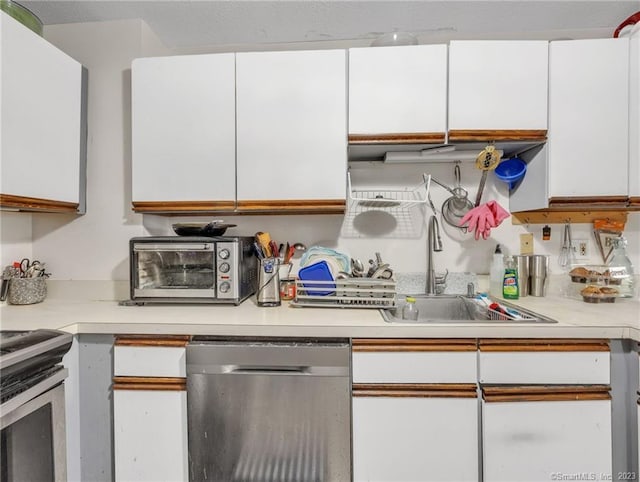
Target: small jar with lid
[409, 310]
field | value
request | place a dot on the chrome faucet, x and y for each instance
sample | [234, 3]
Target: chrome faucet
[434, 243]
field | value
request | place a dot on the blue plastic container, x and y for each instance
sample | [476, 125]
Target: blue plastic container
[511, 171]
[317, 272]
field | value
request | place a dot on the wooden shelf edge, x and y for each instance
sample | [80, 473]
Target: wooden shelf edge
[575, 216]
[23, 203]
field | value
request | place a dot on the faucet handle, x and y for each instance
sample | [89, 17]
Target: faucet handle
[440, 280]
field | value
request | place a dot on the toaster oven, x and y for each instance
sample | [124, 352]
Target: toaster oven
[192, 269]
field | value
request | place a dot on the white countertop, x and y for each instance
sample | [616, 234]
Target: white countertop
[89, 307]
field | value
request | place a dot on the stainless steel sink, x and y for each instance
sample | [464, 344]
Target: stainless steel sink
[459, 309]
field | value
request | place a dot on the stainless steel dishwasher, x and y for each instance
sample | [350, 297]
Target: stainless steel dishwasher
[269, 409]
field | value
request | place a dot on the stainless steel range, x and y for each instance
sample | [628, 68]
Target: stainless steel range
[32, 421]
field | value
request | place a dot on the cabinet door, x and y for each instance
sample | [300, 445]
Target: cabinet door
[41, 148]
[405, 438]
[183, 126]
[498, 85]
[634, 116]
[291, 127]
[150, 435]
[588, 118]
[398, 90]
[533, 438]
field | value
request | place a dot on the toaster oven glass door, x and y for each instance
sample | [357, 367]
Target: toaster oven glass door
[175, 270]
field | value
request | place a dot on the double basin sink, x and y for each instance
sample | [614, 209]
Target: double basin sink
[460, 309]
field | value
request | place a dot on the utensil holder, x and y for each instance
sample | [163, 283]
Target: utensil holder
[268, 293]
[27, 291]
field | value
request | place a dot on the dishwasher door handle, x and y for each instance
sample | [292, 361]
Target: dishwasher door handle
[277, 370]
[267, 370]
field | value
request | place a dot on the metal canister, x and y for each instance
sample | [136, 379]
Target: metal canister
[538, 274]
[522, 265]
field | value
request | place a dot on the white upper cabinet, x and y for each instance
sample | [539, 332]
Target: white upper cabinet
[634, 115]
[183, 123]
[588, 118]
[398, 90]
[42, 134]
[498, 85]
[291, 126]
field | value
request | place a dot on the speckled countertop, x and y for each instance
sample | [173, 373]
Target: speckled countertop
[92, 307]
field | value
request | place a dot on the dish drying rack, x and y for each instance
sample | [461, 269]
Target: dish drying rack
[515, 315]
[405, 205]
[346, 293]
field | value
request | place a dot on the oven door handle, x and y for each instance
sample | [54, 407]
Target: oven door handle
[277, 370]
[177, 247]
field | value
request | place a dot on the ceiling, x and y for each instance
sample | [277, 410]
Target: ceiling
[185, 23]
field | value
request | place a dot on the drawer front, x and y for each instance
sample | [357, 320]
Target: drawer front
[540, 361]
[414, 361]
[545, 367]
[150, 357]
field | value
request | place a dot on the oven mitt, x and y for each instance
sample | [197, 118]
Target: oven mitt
[484, 217]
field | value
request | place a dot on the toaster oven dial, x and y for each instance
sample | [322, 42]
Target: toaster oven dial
[224, 287]
[224, 254]
[224, 267]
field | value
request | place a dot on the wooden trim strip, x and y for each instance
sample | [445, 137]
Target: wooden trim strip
[634, 201]
[182, 207]
[152, 340]
[312, 206]
[413, 345]
[591, 202]
[557, 216]
[543, 393]
[398, 138]
[150, 383]
[541, 345]
[414, 390]
[286, 206]
[23, 203]
[498, 135]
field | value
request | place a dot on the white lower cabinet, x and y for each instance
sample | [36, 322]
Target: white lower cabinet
[414, 438]
[546, 409]
[415, 410]
[150, 409]
[534, 440]
[150, 435]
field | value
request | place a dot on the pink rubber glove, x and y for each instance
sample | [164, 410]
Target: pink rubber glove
[499, 213]
[479, 219]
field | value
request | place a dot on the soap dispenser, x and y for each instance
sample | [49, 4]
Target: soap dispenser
[496, 272]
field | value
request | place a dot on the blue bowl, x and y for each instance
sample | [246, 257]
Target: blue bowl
[511, 171]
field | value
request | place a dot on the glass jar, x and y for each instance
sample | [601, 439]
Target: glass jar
[409, 310]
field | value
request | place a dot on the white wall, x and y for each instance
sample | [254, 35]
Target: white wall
[95, 246]
[15, 237]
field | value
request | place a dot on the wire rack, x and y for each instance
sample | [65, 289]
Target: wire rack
[398, 212]
[511, 315]
[347, 293]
